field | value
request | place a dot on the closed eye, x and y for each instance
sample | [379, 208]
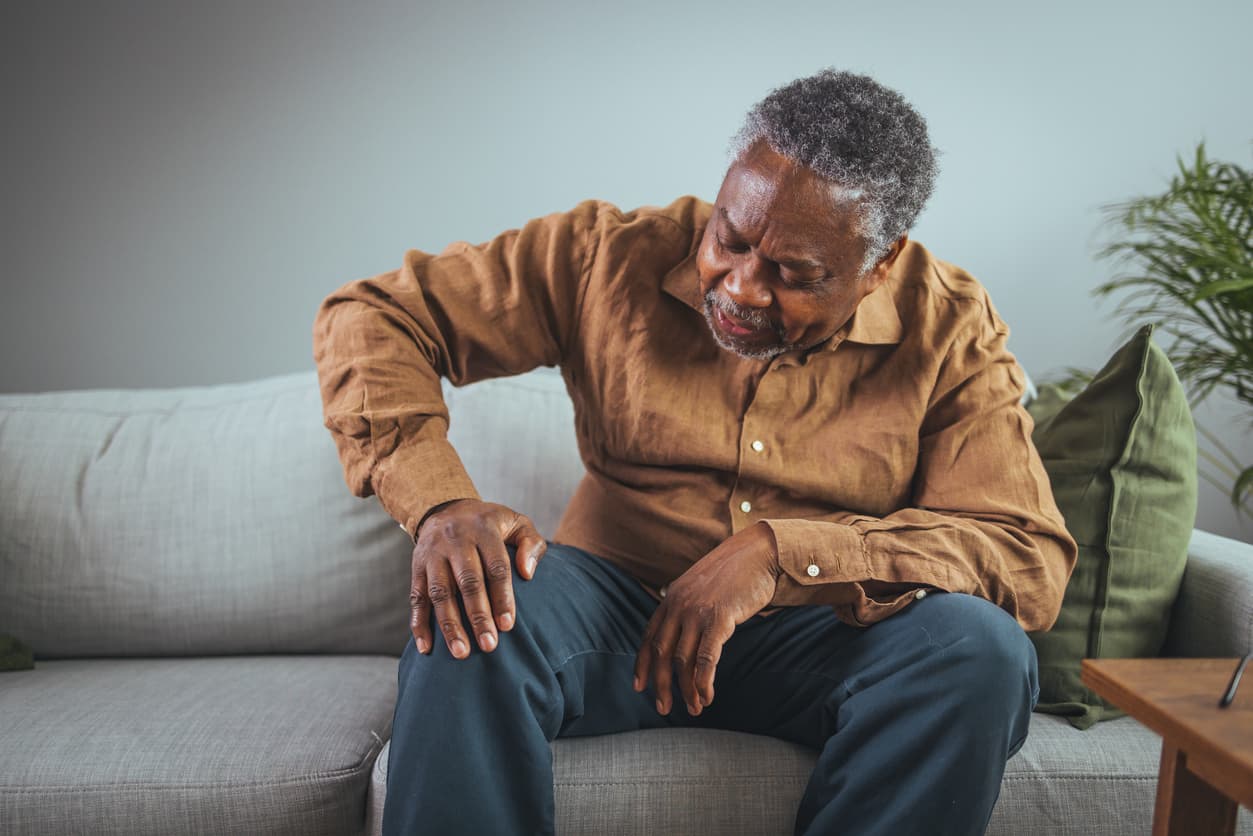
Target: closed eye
[806, 284]
[801, 276]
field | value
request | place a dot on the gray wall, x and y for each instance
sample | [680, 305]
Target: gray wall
[184, 182]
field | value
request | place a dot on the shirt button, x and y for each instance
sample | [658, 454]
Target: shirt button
[813, 570]
[757, 446]
[920, 594]
[746, 506]
[662, 591]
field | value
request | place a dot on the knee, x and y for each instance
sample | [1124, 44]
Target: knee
[533, 605]
[986, 654]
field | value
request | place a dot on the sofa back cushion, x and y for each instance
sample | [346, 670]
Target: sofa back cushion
[215, 520]
[515, 436]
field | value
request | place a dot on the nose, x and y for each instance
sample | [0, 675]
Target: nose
[747, 285]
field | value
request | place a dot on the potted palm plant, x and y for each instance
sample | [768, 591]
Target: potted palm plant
[1185, 262]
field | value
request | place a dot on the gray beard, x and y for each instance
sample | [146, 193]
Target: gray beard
[753, 318]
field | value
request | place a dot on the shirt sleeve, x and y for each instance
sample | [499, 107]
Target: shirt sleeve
[983, 520]
[472, 312]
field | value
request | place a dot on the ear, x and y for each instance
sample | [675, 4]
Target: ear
[879, 273]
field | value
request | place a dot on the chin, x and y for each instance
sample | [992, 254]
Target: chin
[749, 351]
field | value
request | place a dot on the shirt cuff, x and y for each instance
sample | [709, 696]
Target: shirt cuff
[818, 551]
[416, 478]
[826, 562]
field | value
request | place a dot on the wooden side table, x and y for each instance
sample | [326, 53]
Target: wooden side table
[1207, 751]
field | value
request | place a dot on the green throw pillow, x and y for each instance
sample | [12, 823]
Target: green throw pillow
[1121, 456]
[14, 654]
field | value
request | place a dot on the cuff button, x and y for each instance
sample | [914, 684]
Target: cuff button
[813, 570]
[920, 594]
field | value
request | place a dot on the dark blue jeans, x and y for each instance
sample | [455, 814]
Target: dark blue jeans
[914, 717]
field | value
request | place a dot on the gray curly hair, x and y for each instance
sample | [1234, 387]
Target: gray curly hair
[861, 136]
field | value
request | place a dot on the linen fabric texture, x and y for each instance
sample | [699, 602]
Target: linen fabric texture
[893, 457]
[1121, 457]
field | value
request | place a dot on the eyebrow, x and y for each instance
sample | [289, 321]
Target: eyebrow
[793, 261]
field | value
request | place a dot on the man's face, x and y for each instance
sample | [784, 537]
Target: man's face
[780, 260]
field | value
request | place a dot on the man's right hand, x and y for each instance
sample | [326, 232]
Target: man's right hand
[461, 548]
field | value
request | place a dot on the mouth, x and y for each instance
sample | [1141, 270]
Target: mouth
[734, 326]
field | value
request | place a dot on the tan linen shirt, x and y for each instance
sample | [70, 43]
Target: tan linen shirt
[891, 459]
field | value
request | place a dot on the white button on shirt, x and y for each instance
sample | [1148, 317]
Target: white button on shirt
[920, 594]
[746, 506]
[813, 570]
[757, 446]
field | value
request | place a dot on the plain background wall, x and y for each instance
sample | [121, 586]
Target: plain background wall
[184, 182]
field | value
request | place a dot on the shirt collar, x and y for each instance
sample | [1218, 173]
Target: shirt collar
[875, 322]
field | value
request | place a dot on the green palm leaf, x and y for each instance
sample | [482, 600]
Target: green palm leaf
[1187, 262]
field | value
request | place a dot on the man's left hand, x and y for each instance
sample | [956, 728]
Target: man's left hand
[700, 611]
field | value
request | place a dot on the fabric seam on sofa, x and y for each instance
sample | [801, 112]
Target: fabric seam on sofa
[365, 765]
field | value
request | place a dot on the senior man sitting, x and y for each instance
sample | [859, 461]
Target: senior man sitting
[812, 508]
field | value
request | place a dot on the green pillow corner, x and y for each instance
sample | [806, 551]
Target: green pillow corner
[15, 655]
[1121, 458]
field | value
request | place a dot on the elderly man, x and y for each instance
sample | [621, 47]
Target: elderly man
[811, 510]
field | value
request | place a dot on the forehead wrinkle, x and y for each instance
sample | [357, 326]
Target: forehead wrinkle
[782, 253]
[767, 190]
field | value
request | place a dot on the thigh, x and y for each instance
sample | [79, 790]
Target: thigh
[579, 603]
[579, 624]
[788, 675]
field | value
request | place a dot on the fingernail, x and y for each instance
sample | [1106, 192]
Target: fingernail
[661, 709]
[423, 647]
[487, 641]
[459, 649]
[693, 710]
[506, 621]
[635, 683]
[530, 567]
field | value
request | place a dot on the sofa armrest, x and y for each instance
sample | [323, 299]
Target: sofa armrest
[1213, 615]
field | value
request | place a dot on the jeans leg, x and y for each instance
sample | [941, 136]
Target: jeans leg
[914, 717]
[470, 739]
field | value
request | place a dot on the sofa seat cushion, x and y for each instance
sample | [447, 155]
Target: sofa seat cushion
[1063, 782]
[258, 745]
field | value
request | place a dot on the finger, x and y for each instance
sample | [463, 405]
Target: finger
[644, 656]
[663, 660]
[499, 582]
[684, 665]
[420, 610]
[443, 597]
[708, 655]
[529, 542]
[467, 569]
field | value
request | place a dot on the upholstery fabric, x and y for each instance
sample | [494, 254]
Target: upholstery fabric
[1213, 615]
[1121, 457]
[14, 654]
[1063, 782]
[201, 520]
[515, 436]
[279, 745]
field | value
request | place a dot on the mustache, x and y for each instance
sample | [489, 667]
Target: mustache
[750, 317]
